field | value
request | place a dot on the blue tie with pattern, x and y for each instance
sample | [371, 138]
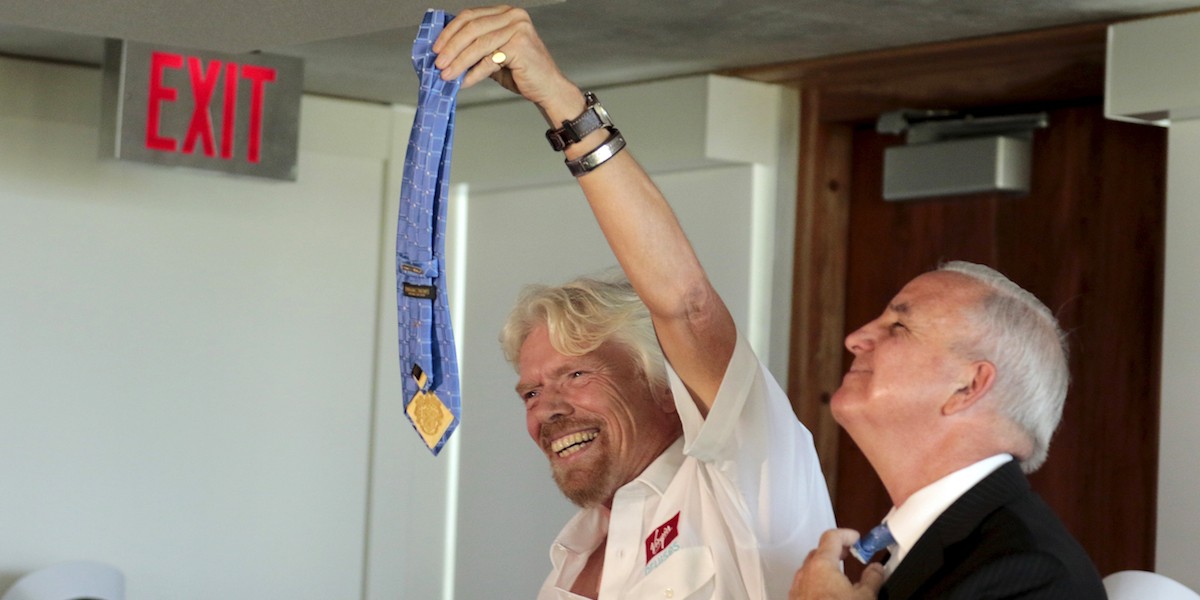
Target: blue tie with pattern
[877, 539]
[428, 364]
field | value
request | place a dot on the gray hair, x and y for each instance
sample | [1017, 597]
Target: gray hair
[1022, 338]
[583, 314]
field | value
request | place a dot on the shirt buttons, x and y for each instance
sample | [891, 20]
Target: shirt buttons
[668, 593]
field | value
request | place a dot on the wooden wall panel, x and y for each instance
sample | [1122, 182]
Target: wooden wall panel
[1092, 247]
[819, 285]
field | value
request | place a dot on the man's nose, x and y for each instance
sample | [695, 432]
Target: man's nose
[552, 405]
[860, 341]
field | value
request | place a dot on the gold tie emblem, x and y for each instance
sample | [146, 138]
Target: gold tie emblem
[427, 411]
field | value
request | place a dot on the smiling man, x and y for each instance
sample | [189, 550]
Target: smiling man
[596, 415]
[694, 477]
[954, 391]
[679, 497]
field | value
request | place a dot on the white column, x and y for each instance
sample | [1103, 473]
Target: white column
[1152, 67]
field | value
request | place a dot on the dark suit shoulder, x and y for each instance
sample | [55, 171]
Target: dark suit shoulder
[1000, 540]
[1022, 550]
[1026, 576]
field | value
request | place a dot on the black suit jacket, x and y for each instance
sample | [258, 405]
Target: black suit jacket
[999, 540]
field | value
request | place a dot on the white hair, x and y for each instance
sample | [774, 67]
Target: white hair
[583, 314]
[1022, 338]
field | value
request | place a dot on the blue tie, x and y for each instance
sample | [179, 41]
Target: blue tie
[428, 364]
[877, 539]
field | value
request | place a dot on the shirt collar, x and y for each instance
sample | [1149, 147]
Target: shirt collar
[909, 521]
[658, 474]
[584, 532]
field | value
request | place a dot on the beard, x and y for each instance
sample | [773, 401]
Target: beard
[587, 486]
[591, 481]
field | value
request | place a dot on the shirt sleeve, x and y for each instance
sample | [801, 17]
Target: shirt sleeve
[756, 449]
[710, 439]
[752, 436]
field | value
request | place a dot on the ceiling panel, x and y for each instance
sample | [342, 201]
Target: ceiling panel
[232, 26]
[360, 48]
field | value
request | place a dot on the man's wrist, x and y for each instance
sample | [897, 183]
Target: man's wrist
[565, 103]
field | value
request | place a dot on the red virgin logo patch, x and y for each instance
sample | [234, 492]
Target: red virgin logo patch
[661, 537]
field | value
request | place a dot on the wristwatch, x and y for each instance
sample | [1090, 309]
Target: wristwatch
[594, 117]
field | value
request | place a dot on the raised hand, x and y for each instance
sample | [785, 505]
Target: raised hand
[472, 42]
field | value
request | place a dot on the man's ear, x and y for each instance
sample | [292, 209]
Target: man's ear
[979, 377]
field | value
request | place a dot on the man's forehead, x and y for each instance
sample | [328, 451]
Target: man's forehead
[934, 290]
[553, 364]
[559, 366]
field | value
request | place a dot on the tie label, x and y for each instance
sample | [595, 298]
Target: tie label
[427, 292]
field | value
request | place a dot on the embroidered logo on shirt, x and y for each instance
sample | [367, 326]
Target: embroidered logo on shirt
[660, 539]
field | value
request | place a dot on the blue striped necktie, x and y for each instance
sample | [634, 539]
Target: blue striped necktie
[428, 364]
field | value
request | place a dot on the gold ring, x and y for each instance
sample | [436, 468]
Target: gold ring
[499, 58]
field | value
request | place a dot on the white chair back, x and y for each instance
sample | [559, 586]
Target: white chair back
[75, 580]
[1143, 585]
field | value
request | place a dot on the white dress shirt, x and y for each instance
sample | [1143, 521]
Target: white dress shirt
[728, 511]
[909, 521]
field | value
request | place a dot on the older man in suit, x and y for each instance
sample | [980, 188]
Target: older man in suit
[953, 392]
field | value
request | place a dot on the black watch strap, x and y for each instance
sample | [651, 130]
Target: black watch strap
[594, 117]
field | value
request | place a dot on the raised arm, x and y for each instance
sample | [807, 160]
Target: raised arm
[694, 326]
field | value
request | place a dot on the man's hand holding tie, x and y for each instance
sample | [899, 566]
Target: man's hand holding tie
[821, 577]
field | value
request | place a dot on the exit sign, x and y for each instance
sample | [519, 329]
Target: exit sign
[236, 113]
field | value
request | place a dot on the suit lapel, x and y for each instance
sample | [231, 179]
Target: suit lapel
[957, 522]
[919, 564]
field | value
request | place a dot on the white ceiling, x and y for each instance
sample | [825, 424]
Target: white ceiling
[360, 48]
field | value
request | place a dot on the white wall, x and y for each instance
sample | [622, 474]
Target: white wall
[1151, 78]
[1178, 477]
[185, 358]
[198, 372]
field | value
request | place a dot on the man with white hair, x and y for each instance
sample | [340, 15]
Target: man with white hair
[953, 392]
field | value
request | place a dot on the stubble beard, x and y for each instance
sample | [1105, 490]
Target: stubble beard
[587, 484]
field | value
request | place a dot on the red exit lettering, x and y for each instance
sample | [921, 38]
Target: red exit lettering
[203, 81]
